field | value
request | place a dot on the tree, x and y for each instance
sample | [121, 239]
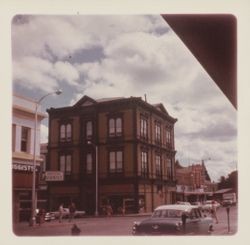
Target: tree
[231, 181]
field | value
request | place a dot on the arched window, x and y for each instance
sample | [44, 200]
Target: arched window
[115, 127]
[143, 128]
[68, 131]
[144, 163]
[111, 127]
[65, 163]
[65, 132]
[89, 129]
[62, 132]
[118, 126]
[89, 163]
[115, 161]
[158, 166]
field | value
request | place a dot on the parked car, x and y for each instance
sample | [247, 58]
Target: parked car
[183, 203]
[207, 205]
[46, 216]
[49, 216]
[167, 219]
[227, 202]
[199, 204]
[78, 213]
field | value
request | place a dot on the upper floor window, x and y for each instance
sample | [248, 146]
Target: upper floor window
[115, 126]
[168, 135]
[115, 161]
[89, 129]
[158, 167]
[169, 168]
[158, 132]
[65, 132]
[89, 163]
[144, 163]
[25, 137]
[66, 163]
[13, 137]
[143, 127]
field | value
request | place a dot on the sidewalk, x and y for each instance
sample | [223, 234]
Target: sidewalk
[113, 225]
[65, 222]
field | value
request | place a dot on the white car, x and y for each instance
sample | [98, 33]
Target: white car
[208, 205]
[183, 203]
[78, 213]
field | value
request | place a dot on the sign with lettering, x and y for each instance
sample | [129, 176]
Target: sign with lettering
[24, 167]
[54, 176]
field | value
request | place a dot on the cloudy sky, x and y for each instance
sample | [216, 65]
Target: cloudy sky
[106, 56]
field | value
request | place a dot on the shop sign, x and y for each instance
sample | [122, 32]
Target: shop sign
[54, 176]
[24, 167]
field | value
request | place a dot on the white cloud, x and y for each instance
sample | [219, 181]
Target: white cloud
[32, 72]
[67, 72]
[140, 55]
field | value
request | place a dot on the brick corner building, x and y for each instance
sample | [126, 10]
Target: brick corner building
[133, 143]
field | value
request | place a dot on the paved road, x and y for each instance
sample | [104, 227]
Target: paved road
[113, 226]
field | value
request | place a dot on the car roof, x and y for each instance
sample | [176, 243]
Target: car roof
[185, 208]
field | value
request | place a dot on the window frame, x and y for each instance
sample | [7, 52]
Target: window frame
[89, 129]
[168, 135]
[67, 163]
[144, 163]
[89, 164]
[158, 166]
[115, 126]
[65, 132]
[143, 127]
[169, 167]
[157, 132]
[25, 141]
[115, 169]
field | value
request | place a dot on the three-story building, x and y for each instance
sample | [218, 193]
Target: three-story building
[129, 140]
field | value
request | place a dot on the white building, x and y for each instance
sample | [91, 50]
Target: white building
[23, 124]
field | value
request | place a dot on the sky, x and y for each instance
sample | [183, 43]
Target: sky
[123, 56]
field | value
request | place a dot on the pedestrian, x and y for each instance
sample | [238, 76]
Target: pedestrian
[60, 212]
[183, 219]
[40, 216]
[214, 212]
[75, 230]
[109, 210]
[72, 209]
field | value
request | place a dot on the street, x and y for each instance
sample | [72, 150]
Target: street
[114, 226]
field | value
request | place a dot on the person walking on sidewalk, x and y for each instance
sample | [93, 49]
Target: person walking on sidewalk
[60, 213]
[214, 212]
[72, 210]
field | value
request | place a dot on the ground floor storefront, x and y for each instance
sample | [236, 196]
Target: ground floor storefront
[22, 180]
[122, 198]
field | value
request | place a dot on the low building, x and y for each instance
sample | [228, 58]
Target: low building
[193, 182]
[23, 121]
[127, 140]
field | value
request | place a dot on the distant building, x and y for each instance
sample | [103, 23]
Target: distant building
[193, 182]
[23, 118]
[134, 143]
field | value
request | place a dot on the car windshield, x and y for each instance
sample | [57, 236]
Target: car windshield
[167, 213]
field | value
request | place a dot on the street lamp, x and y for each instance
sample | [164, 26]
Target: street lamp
[33, 210]
[96, 176]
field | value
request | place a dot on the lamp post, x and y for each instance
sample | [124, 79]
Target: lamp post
[96, 176]
[33, 210]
